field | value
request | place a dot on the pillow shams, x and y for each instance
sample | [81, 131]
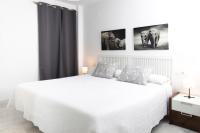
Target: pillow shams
[91, 70]
[104, 70]
[158, 79]
[117, 73]
[135, 75]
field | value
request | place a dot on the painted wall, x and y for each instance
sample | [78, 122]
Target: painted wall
[80, 17]
[18, 44]
[181, 15]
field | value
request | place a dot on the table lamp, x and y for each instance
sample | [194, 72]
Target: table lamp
[188, 84]
[84, 70]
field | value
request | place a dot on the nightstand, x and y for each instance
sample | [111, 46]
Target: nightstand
[185, 112]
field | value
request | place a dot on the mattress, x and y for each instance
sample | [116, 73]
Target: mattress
[87, 104]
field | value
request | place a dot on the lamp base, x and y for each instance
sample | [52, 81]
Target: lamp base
[189, 97]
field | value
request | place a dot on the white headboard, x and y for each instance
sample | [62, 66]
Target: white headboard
[159, 64]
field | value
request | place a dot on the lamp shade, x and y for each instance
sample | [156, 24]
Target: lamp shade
[84, 70]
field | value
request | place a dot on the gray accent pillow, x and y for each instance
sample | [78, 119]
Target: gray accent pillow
[104, 70]
[136, 75]
[117, 73]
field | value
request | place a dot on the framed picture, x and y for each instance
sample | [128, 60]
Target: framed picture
[113, 40]
[153, 37]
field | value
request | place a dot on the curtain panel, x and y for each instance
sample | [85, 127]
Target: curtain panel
[57, 42]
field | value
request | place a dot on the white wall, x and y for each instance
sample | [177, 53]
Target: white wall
[18, 44]
[184, 26]
[80, 36]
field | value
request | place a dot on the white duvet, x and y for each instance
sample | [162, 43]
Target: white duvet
[86, 104]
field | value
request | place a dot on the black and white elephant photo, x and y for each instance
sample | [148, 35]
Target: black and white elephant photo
[153, 37]
[113, 40]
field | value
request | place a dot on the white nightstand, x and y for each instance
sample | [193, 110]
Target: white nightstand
[185, 112]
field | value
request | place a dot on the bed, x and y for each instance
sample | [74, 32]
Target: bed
[87, 104]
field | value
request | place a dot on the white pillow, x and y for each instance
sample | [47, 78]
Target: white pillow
[158, 79]
[104, 70]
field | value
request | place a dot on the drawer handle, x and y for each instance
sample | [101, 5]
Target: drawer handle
[184, 114]
[186, 103]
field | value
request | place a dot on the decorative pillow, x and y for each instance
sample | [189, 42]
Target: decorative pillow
[158, 79]
[104, 70]
[135, 75]
[91, 70]
[117, 73]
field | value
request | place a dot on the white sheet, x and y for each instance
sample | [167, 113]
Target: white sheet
[86, 104]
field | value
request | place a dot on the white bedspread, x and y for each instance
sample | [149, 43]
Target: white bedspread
[86, 104]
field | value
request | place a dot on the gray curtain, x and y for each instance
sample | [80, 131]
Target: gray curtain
[57, 42]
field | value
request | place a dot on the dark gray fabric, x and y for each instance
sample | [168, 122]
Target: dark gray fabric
[57, 42]
[68, 47]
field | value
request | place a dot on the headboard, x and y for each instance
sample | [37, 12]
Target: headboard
[161, 65]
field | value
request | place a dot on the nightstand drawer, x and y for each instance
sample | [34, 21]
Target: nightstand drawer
[186, 108]
[185, 120]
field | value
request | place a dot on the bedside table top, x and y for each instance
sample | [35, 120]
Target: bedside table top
[180, 97]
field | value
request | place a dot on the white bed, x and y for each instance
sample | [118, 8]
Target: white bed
[87, 104]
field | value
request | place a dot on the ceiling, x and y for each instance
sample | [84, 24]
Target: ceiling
[80, 2]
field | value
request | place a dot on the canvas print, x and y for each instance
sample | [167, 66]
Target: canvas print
[153, 37]
[113, 40]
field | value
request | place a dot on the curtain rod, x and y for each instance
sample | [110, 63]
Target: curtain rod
[40, 3]
[54, 6]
